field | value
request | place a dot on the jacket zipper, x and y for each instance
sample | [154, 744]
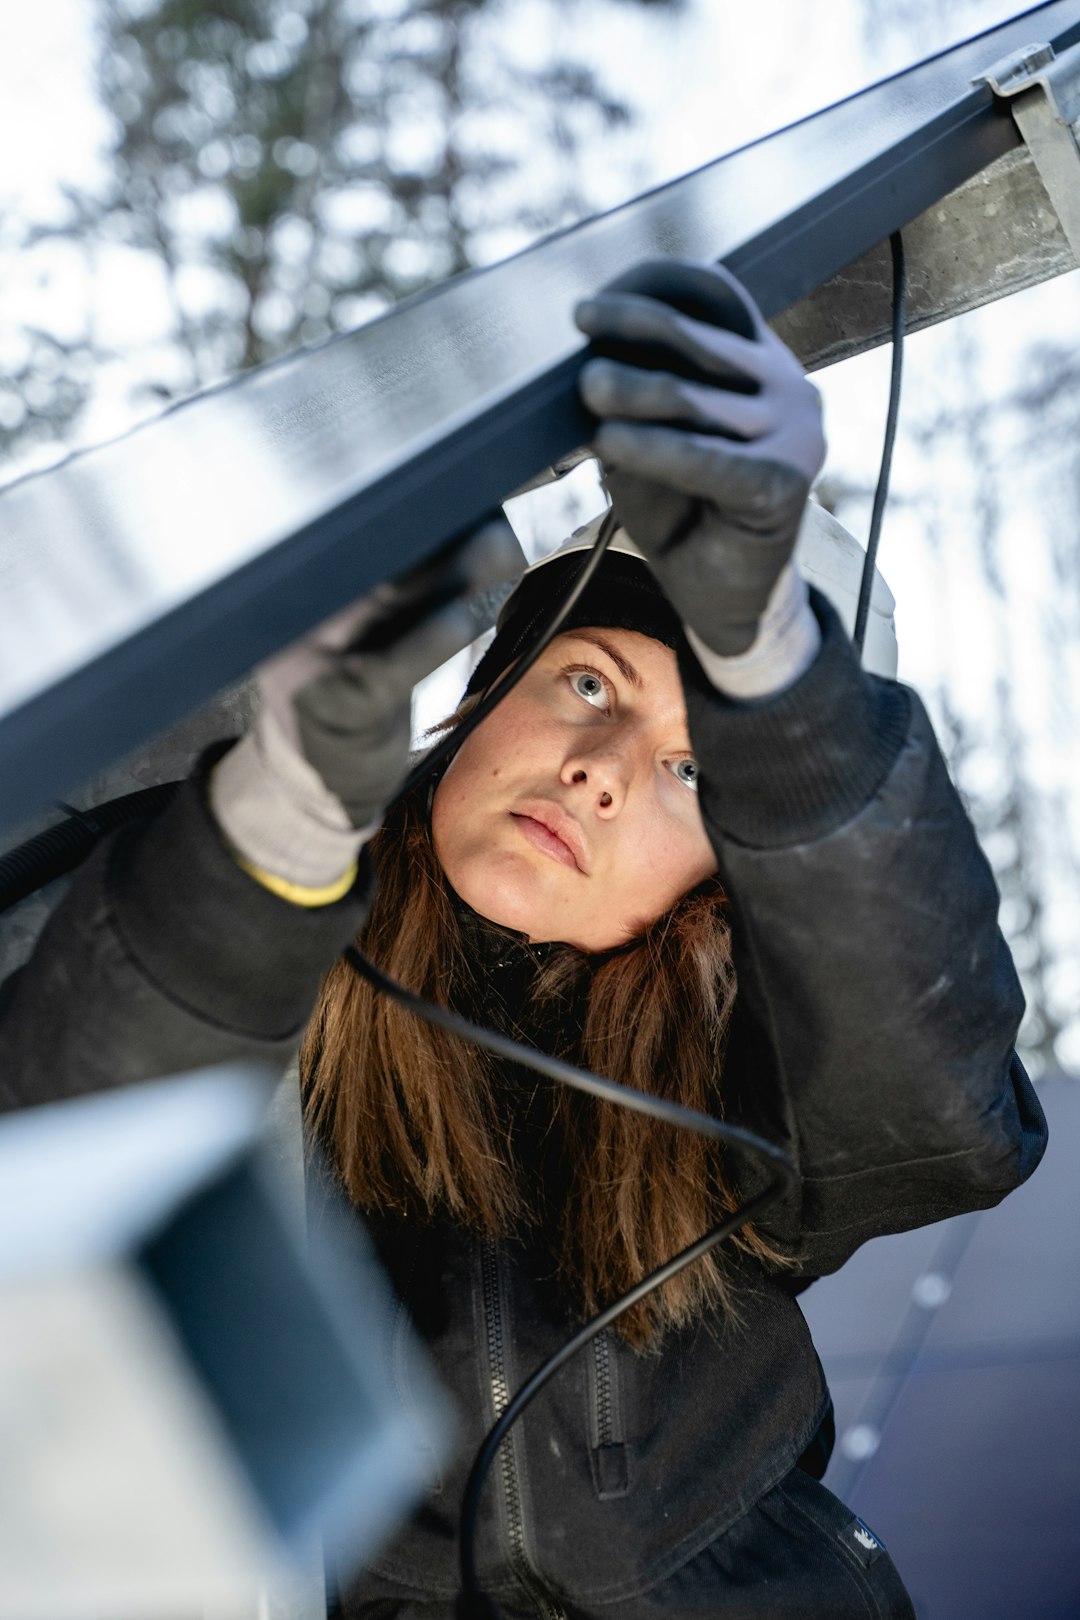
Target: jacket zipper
[609, 1457]
[602, 1364]
[506, 1464]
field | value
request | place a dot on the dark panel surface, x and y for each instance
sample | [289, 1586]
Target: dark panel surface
[139, 578]
[958, 1418]
[986, 1526]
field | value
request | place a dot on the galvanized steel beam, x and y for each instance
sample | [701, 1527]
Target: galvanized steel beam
[1014, 224]
[995, 235]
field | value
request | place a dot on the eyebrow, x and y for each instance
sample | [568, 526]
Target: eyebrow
[625, 669]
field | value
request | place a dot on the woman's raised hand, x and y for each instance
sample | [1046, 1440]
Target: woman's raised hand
[343, 694]
[710, 437]
[329, 748]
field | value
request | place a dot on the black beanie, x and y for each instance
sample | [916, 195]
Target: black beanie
[623, 594]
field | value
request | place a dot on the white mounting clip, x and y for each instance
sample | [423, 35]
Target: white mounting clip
[1043, 92]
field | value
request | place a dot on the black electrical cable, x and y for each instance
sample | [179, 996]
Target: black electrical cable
[473, 1601]
[60, 849]
[567, 1074]
[881, 493]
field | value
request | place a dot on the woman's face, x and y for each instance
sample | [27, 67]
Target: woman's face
[569, 813]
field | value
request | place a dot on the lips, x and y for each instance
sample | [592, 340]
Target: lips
[551, 830]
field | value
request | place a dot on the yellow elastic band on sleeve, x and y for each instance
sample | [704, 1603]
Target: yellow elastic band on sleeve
[297, 894]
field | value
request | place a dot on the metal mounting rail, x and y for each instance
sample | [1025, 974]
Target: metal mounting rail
[138, 579]
[1042, 91]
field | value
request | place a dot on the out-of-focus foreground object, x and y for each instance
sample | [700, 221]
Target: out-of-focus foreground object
[191, 1394]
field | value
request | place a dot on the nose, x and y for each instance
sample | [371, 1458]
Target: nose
[601, 777]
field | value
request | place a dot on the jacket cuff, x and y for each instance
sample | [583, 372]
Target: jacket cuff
[787, 642]
[275, 811]
[793, 767]
[210, 936]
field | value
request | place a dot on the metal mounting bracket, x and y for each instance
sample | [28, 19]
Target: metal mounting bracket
[1043, 93]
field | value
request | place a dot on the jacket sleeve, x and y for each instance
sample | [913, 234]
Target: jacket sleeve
[878, 1004]
[165, 956]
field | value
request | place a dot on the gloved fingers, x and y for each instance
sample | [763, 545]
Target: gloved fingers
[487, 557]
[379, 678]
[706, 290]
[357, 742]
[634, 320]
[384, 616]
[392, 611]
[491, 555]
[342, 695]
[352, 723]
[611, 389]
[703, 465]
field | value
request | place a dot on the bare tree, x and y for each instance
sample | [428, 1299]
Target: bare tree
[291, 167]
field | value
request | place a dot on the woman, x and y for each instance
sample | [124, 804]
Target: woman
[695, 785]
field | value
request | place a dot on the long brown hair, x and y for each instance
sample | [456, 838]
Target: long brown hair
[410, 1114]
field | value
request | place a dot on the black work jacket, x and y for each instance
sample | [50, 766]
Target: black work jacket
[873, 1039]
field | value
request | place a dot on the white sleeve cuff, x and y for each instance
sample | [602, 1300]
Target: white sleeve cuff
[786, 645]
[276, 811]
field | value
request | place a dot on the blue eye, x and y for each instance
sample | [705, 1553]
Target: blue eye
[588, 685]
[687, 772]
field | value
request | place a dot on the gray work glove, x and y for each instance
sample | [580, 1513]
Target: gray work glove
[298, 796]
[709, 442]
